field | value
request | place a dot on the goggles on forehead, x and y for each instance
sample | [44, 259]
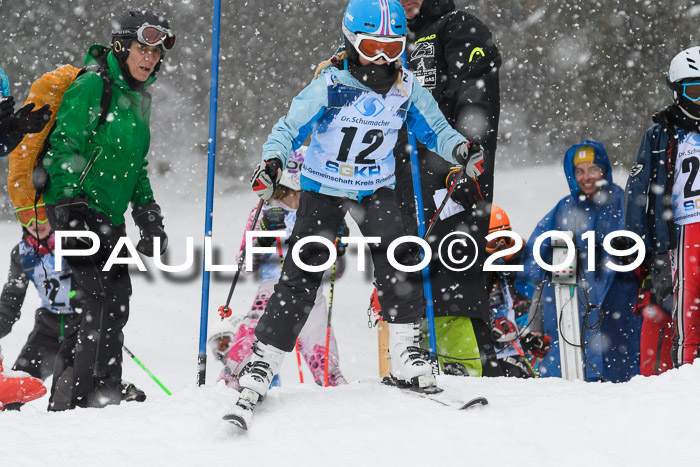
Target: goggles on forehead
[151, 35]
[375, 47]
[30, 214]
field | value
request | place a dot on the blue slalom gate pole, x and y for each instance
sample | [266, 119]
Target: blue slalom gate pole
[427, 284]
[418, 196]
[211, 168]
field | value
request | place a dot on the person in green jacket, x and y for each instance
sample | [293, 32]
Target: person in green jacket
[96, 169]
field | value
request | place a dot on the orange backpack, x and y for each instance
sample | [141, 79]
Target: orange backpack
[26, 178]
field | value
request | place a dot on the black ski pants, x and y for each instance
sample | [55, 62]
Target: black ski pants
[38, 355]
[88, 368]
[378, 215]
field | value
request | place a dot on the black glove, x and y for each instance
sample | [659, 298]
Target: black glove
[471, 155]
[150, 223]
[273, 219]
[265, 178]
[32, 122]
[71, 214]
[538, 346]
[7, 107]
[343, 231]
[25, 121]
[466, 191]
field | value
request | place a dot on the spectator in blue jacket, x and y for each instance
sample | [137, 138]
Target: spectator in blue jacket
[606, 298]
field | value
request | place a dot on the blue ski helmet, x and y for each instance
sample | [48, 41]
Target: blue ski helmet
[375, 17]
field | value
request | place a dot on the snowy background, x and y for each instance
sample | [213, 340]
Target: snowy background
[571, 70]
[646, 422]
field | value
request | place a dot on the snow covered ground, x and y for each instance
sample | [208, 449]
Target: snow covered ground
[646, 422]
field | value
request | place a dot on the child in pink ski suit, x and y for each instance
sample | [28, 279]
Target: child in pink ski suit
[277, 214]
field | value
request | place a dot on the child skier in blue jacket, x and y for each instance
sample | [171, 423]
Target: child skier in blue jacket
[353, 109]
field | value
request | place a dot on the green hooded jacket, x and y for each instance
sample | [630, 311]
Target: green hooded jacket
[117, 174]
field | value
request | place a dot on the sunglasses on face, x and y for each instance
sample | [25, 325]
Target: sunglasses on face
[375, 47]
[155, 35]
[30, 214]
[691, 91]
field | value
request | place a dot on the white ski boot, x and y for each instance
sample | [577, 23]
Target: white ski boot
[255, 379]
[410, 365]
[264, 364]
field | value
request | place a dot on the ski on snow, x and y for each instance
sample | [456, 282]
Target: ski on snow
[436, 394]
[242, 412]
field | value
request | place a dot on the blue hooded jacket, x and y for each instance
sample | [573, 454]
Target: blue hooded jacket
[612, 331]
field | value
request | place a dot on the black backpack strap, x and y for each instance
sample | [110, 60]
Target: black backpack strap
[106, 90]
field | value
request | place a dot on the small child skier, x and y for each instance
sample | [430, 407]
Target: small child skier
[505, 331]
[353, 110]
[232, 342]
[32, 259]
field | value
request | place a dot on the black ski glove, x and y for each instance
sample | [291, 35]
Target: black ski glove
[265, 178]
[7, 107]
[24, 121]
[466, 191]
[470, 154]
[150, 223]
[273, 219]
[71, 214]
[536, 345]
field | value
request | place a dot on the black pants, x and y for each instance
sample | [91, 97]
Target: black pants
[38, 355]
[378, 215]
[89, 363]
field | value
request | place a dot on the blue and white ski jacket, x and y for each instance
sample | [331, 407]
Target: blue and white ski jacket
[354, 131]
[54, 287]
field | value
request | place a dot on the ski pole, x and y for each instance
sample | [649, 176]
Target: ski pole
[211, 168]
[527, 360]
[224, 310]
[328, 327]
[296, 343]
[448, 196]
[138, 362]
[301, 371]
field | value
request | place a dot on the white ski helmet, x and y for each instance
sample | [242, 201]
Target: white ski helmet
[685, 65]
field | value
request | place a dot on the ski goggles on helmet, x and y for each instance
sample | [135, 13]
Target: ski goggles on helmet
[155, 35]
[691, 91]
[500, 243]
[30, 214]
[373, 48]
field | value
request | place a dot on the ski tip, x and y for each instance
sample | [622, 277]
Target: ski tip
[236, 420]
[476, 402]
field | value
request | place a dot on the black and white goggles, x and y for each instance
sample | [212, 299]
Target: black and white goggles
[149, 34]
